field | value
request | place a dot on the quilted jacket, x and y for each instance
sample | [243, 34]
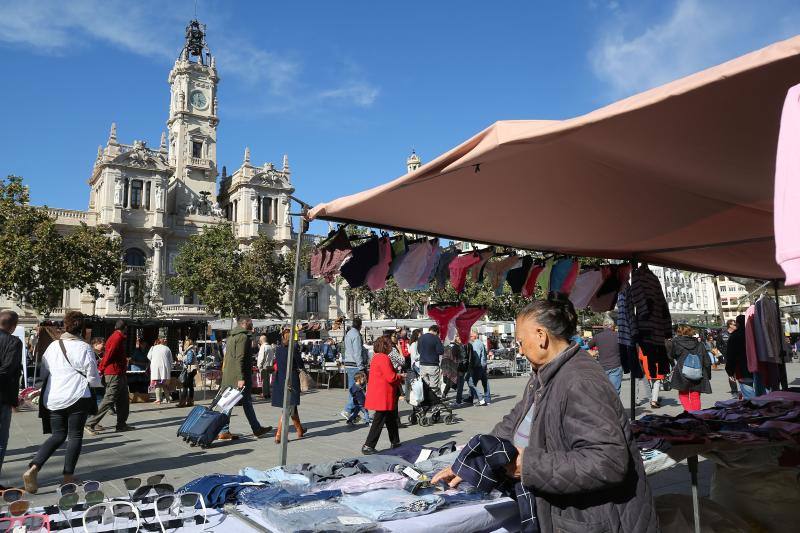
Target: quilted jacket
[582, 461]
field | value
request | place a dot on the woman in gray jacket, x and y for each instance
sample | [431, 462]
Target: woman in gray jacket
[576, 450]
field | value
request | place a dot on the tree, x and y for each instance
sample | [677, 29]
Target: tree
[38, 263]
[232, 281]
[505, 306]
[391, 301]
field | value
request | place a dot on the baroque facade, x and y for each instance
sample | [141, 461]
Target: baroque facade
[153, 199]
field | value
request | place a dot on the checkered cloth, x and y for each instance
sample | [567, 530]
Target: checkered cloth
[526, 501]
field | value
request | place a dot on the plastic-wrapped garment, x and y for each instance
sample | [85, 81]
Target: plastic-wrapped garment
[276, 476]
[278, 497]
[391, 504]
[318, 516]
[363, 483]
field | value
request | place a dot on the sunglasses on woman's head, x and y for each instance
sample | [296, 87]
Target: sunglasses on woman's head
[30, 523]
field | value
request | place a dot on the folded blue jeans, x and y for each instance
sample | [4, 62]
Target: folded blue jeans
[391, 504]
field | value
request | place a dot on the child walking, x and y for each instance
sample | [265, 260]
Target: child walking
[358, 396]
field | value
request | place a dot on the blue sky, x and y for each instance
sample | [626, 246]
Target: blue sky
[345, 88]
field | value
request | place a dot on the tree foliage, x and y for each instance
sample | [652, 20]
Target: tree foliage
[391, 301]
[38, 263]
[229, 280]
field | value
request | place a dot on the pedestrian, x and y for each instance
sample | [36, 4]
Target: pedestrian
[454, 369]
[606, 342]
[355, 360]
[264, 362]
[412, 350]
[653, 380]
[576, 454]
[113, 367]
[160, 357]
[329, 351]
[736, 360]
[398, 361]
[139, 365]
[237, 372]
[403, 344]
[69, 370]
[98, 345]
[722, 346]
[479, 371]
[359, 397]
[10, 372]
[381, 397]
[430, 350]
[281, 364]
[683, 346]
[188, 373]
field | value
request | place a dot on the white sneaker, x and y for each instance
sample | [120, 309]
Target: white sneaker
[344, 415]
[482, 402]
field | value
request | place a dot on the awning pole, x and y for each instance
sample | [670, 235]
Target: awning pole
[287, 399]
[781, 333]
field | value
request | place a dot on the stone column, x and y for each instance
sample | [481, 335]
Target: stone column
[158, 244]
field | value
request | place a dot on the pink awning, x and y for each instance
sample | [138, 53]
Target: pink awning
[681, 175]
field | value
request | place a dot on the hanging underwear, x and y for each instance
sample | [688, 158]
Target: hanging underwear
[399, 246]
[362, 259]
[516, 276]
[443, 315]
[497, 271]
[407, 275]
[529, 289]
[458, 269]
[376, 277]
[558, 275]
[328, 257]
[606, 297]
[465, 320]
[430, 265]
[442, 270]
[476, 271]
[569, 281]
[544, 277]
[585, 288]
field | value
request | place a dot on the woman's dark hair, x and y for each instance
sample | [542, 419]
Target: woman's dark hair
[415, 335]
[383, 344]
[558, 316]
[73, 322]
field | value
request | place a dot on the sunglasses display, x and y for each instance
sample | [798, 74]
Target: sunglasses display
[30, 523]
[117, 514]
[11, 495]
[71, 488]
[133, 483]
[179, 506]
[144, 491]
[19, 507]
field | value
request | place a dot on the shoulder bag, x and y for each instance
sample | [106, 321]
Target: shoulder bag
[92, 409]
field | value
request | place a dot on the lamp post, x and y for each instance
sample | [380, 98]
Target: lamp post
[131, 296]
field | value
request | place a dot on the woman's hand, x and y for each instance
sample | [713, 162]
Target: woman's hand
[447, 476]
[514, 470]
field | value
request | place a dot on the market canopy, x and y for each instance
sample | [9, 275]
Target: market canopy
[681, 175]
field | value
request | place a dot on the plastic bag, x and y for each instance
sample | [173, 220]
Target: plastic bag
[416, 394]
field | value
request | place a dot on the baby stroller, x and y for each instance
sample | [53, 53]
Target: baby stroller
[427, 407]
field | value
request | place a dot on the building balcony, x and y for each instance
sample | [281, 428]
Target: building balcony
[135, 270]
[185, 309]
[71, 216]
[198, 162]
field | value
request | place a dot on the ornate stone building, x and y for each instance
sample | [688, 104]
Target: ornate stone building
[155, 198]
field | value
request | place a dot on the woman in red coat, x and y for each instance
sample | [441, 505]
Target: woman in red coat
[382, 396]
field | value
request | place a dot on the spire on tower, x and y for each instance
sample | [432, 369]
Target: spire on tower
[413, 162]
[99, 154]
[163, 147]
[285, 168]
[247, 155]
[112, 135]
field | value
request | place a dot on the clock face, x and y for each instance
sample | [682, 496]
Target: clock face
[198, 100]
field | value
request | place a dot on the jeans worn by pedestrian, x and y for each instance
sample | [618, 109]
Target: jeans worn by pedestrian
[480, 373]
[66, 424]
[116, 396]
[615, 377]
[5, 429]
[747, 390]
[249, 412]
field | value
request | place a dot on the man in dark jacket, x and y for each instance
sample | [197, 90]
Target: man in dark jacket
[736, 360]
[10, 370]
[722, 345]
[113, 367]
[237, 372]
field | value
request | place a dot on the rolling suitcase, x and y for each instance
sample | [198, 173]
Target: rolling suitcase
[202, 425]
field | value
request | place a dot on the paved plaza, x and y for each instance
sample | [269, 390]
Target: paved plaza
[154, 448]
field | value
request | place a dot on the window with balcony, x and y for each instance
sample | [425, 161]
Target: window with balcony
[312, 302]
[136, 194]
[134, 257]
[197, 149]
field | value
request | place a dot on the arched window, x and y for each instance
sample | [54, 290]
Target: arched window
[134, 257]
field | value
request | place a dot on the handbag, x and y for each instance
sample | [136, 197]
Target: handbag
[306, 381]
[92, 409]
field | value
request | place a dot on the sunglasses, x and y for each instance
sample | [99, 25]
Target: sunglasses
[97, 517]
[180, 506]
[12, 495]
[19, 507]
[72, 488]
[28, 523]
[162, 489]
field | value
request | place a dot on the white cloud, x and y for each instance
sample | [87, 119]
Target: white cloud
[153, 29]
[693, 36]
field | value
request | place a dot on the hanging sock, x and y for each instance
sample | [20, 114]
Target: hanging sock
[363, 258]
[376, 277]
[443, 315]
[529, 289]
[465, 321]
[497, 271]
[544, 277]
[516, 276]
[458, 270]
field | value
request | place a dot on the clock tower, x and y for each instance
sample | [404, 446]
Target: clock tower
[193, 122]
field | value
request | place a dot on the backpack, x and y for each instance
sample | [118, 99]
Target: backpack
[692, 369]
